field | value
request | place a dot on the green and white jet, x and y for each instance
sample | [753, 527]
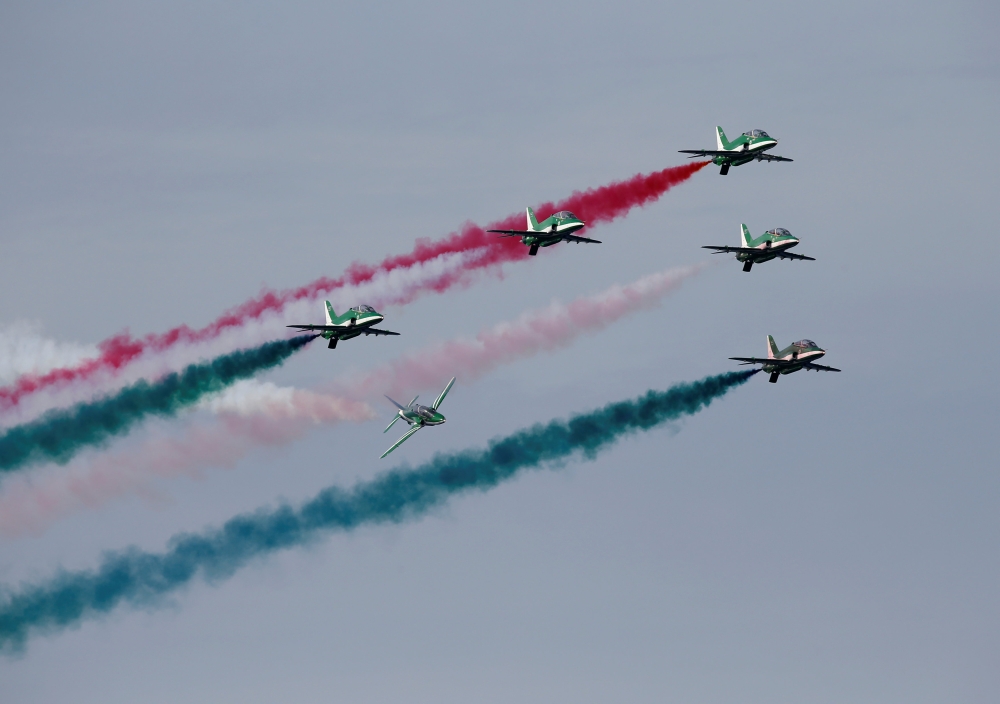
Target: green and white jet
[357, 321]
[417, 416]
[772, 244]
[798, 355]
[745, 148]
[558, 227]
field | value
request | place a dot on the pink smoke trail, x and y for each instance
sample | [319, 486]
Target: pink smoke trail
[595, 205]
[536, 331]
[254, 415]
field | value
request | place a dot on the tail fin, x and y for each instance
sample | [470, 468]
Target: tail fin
[532, 223]
[721, 141]
[772, 349]
[747, 239]
[330, 315]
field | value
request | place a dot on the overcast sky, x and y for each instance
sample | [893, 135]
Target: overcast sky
[830, 538]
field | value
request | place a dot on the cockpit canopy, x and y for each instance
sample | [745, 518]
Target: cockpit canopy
[804, 343]
[779, 232]
[363, 309]
[757, 134]
[563, 215]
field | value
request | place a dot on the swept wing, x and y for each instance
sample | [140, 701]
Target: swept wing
[439, 399]
[545, 234]
[785, 363]
[399, 442]
[759, 156]
[578, 240]
[343, 328]
[819, 367]
[757, 250]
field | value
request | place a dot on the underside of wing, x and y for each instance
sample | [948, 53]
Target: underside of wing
[771, 157]
[376, 331]
[727, 248]
[789, 255]
[399, 442]
[514, 233]
[820, 367]
[765, 360]
[578, 240]
[322, 328]
[704, 152]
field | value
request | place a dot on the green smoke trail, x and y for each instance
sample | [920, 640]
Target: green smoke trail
[141, 578]
[59, 434]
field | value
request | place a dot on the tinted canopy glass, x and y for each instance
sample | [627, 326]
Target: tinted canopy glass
[780, 232]
[363, 309]
[756, 134]
[806, 343]
[563, 214]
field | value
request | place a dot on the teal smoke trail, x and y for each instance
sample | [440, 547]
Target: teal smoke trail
[141, 578]
[60, 434]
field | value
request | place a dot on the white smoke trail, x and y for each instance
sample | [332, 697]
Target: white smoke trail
[253, 414]
[385, 289]
[247, 416]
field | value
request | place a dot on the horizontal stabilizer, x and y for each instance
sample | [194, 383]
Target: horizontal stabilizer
[396, 404]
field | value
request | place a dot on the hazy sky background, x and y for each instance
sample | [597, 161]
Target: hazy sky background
[830, 538]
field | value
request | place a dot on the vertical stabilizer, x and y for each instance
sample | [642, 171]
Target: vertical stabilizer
[330, 315]
[720, 140]
[772, 349]
[747, 240]
[532, 223]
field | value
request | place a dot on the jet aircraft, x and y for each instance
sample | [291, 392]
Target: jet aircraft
[357, 321]
[772, 244]
[745, 148]
[558, 227]
[798, 355]
[417, 416]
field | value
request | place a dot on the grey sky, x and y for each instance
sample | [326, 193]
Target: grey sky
[830, 538]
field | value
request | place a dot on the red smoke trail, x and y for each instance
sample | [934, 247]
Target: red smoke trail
[595, 205]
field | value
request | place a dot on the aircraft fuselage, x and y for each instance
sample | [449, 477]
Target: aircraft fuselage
[421, 415]
[353, 327]
[745, 153]
[768, 249]
[550, 231]
[795, 357]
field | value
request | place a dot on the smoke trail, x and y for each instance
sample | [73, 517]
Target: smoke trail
[24, 351]
[546, 329]
[249, 415]
[267, 416]
[58, 435]
[484, 250]
[141, 578]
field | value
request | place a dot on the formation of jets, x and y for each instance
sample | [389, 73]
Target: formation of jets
[560, 227]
